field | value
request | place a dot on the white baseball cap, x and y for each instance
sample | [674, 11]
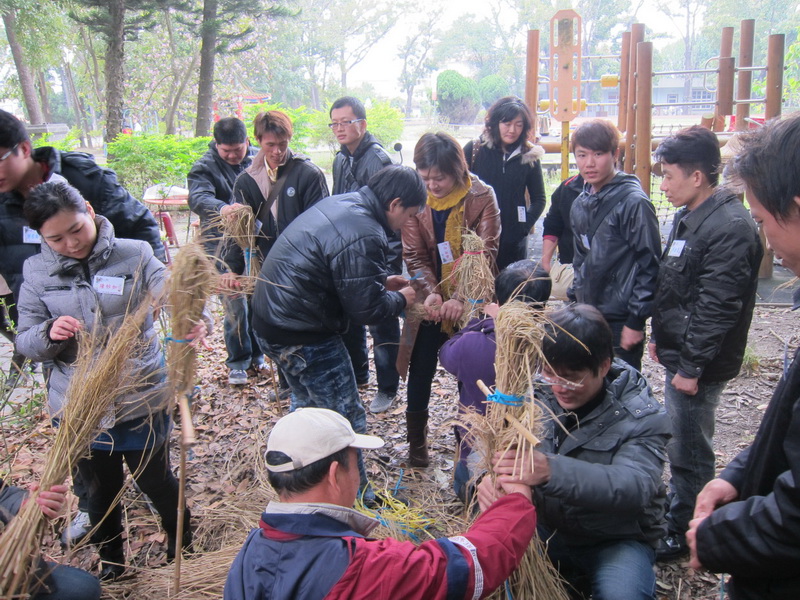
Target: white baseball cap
[311, 434]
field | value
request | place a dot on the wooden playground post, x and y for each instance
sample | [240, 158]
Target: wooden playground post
[745, 78]
[724, 104]
[532, 77]
[624, 67]
[637, 35]
[774, 88]
[644, 112]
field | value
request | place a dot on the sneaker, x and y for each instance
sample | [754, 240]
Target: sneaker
[671, 547]
[237, 377]
[76, 530]
[381, 402]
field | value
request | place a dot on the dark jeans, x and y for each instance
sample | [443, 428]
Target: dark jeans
[633, 356]
[68, 583]
[240, 341]
[385, 344]
[103, 477]
[422, 367]
[355, 340]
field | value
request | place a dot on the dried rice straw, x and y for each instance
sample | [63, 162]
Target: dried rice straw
[472, 279]
[239, 226]
[102, 373]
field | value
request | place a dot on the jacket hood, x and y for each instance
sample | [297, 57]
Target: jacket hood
[530, 152]
[623, 381]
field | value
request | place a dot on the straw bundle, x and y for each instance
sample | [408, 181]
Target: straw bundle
[239, 226]
[472, 279]
[102, 373]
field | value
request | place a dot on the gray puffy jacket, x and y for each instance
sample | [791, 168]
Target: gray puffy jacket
[55, 285]
[605, 478]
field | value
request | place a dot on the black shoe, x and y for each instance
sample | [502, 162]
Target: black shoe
[671, 547]
[111, 571]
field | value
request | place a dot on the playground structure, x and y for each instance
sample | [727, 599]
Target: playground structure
[733, 95]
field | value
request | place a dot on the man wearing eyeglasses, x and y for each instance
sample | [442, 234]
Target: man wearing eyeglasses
[358, 159]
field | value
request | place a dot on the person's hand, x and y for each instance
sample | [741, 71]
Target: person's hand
[64, 328]
[395, 283]
[410, 294]
[714, 494]
[511, 487]
[198, 336]
[51, 502]
[491, 310]
[651, 350]
[685, 385]
[487, 492]
[630, 338]
[227, 210]
[451, 310]
[691, 541]
[433, 305]
[525, 472]
[229, 282]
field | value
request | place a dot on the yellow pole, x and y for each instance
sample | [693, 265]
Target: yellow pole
[564, 150]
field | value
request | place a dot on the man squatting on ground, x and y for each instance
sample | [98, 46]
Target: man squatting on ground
[358, 159]
[211, 182]
[312, 544]
[747, 521]
[704, 301]
[326, 272]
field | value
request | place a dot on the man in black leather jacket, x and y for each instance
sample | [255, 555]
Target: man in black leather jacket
[326, 272]
[747, 522]
[705, 296]
[617, 242]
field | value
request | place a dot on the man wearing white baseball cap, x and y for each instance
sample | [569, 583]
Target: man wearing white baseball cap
[313, 545]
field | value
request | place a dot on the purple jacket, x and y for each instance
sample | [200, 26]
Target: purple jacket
[469, 355]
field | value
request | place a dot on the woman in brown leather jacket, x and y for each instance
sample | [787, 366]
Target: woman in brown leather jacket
[457, 200]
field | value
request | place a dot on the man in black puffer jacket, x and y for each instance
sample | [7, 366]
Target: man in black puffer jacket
[325, 273]
[701, 316]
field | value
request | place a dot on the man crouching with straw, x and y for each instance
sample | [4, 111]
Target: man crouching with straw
[596, 476]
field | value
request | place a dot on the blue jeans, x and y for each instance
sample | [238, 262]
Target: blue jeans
[243, 349]
[615, 570]
[691, 450]
[385, 344]
[321, 375]
[68, 583]
[355, 341]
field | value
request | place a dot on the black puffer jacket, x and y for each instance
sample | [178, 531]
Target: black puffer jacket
[616, 270]
[707, 289]
[369, 158]
[98, 185]
[757, 538]
[511, 176]
[556, 221]
[327, 268]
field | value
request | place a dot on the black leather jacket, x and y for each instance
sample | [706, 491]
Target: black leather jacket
[706, 289]
[369, 158]
[616, 270]
[327, 268]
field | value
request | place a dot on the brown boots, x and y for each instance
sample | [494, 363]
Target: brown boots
[417, 427]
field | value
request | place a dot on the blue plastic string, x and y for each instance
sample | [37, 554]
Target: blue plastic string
[169, 338]
[474, 302]
[506, 399]
[399, 481]
[507, 586]
[247, 261]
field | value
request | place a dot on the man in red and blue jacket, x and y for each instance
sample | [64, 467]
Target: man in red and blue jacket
[311, 545]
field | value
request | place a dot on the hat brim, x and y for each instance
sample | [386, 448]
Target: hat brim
[367, 442]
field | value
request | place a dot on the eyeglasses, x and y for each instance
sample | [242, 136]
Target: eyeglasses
[552, 379]
[343, 124]
[5, 155]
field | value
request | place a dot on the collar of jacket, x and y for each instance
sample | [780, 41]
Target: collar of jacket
[50, 157]
[58, 263]
[692, 219]
[365, 144]
[344, 519]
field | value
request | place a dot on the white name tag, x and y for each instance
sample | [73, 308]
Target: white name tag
[585, 241]
[676, 249]
[445, 252]
[109, 285]
[522, 214]
[30, 236]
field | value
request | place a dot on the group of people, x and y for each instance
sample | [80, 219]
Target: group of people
[333, 266]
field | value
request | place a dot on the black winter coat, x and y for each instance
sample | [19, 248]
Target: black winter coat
[616, 270]
[706, 289]
[757, 538]
[556, 221]
[98, 185]
[511, 176]
[327, 269]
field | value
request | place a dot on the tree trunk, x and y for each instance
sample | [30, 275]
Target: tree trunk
[77, 105]
[208, 51]
[115, 64]
[409, 98]
[176, 100]
[45, 102]
[26, 81]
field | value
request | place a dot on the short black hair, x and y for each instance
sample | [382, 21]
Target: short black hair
[305, 478]
[598, 135]
[230, 130]
[49, 199]
[12, 131]
[692, 149]
[505, 110]
[398, 181]
[767, 165]
[358, 107]
[523, 280]
[577, 337]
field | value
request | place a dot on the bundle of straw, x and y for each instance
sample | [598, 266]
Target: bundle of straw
[239, 226]
[102, 373]
[472, 279]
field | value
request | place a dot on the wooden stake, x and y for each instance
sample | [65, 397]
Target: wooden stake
[187, 441]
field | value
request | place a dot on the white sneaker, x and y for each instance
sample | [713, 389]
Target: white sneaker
[381, 402]
[237, 377]
[77, 529]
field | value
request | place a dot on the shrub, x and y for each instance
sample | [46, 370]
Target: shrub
[385, 123]
[303, 123]
[458, 97]
[491, 88]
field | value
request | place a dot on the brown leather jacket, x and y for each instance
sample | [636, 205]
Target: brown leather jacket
[481, 215]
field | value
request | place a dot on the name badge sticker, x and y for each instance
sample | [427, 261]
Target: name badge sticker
[109, 285]
[676, 249]
[30, 236]
[585, 241]
[445, 252]
[522, 214]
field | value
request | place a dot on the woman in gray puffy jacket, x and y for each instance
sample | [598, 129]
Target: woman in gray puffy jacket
[85, 278]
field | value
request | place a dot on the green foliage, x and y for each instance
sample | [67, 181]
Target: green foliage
[70, 141]
[303, 123]
[385, 122]
[144, 160]
[491, 88]
[458, 97]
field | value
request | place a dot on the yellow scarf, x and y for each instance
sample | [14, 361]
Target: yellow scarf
[453, 228]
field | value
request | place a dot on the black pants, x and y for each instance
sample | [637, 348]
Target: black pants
[103, 477]
[633, 356]
[422, 367]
